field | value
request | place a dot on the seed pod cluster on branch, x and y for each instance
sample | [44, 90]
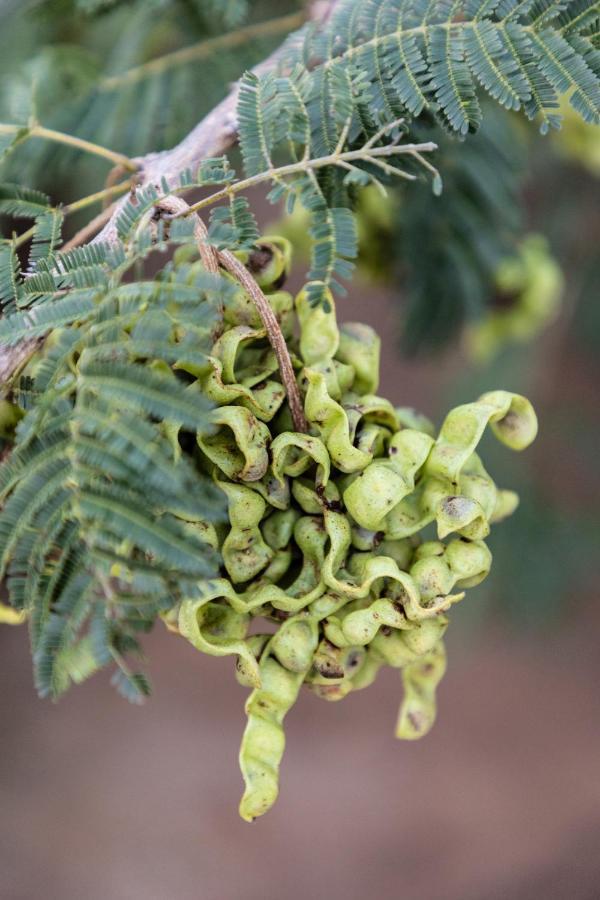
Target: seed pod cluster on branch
[325, 535]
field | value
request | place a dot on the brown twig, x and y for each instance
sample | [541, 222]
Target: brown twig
[212, 136]
[212, 259]
[269, 320]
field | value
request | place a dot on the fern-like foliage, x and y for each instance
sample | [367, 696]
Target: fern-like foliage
[435, 54]
[104, 510]
[395, 63]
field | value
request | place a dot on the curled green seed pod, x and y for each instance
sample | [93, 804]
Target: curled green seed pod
[239, 446]
[360, 347]
[245, 675]
[249, 384]
[263, 742]
[294, 645]
[245, 552]
[506, 504]
[218, 630]
[510, 416]
[399, 648]
[333, 670]
[293, 453]
[332, 423]
[319, 335]
[278, 529]
[384, 483]
[324, 529]
[239, 309]
[420, 680]
[359, 626]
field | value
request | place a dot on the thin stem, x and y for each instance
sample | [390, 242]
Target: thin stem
[269, 320]
[212, 258]
[105, 193]
[23, 238]
[203, 49]
[208, 254]
[363, 154]
[76, 206]
[58, 137]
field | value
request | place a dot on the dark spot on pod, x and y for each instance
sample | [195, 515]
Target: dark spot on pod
[329, 669]
[259, 259]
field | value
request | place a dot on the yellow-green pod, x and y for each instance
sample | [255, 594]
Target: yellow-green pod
[510, 416]
[216, 629]
[366, 673]
[470, 562]
[373, 493]
[411, 418]
[279, 565]
[276, 493]
[228, 380]
[360, 347]
[331, 421]
[399, 648]
[319, 335]
[278, 529]
[360, 626]
[245, 552]
[293, 453]
[333, 670]
[384, 483]
[458, 513]
[506, 504]
[369, 409]
[239, 445]
[256, 644]
[263, 742]
[311, 538]
[294, 644]
[306, 497]
[420, 680]
[424, 636]
[338, 377]
[373, 439]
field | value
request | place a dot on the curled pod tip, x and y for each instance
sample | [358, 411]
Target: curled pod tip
[420, 680]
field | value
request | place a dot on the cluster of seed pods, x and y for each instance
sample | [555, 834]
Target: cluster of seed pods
[326, 574]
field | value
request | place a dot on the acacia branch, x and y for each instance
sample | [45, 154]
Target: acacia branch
[212, 136]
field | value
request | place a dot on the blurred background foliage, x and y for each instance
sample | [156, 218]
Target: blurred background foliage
[494, 284]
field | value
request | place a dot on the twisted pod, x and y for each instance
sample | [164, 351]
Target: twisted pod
[323, 542]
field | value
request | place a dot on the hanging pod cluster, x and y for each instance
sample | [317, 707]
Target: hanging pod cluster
[324, 538]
